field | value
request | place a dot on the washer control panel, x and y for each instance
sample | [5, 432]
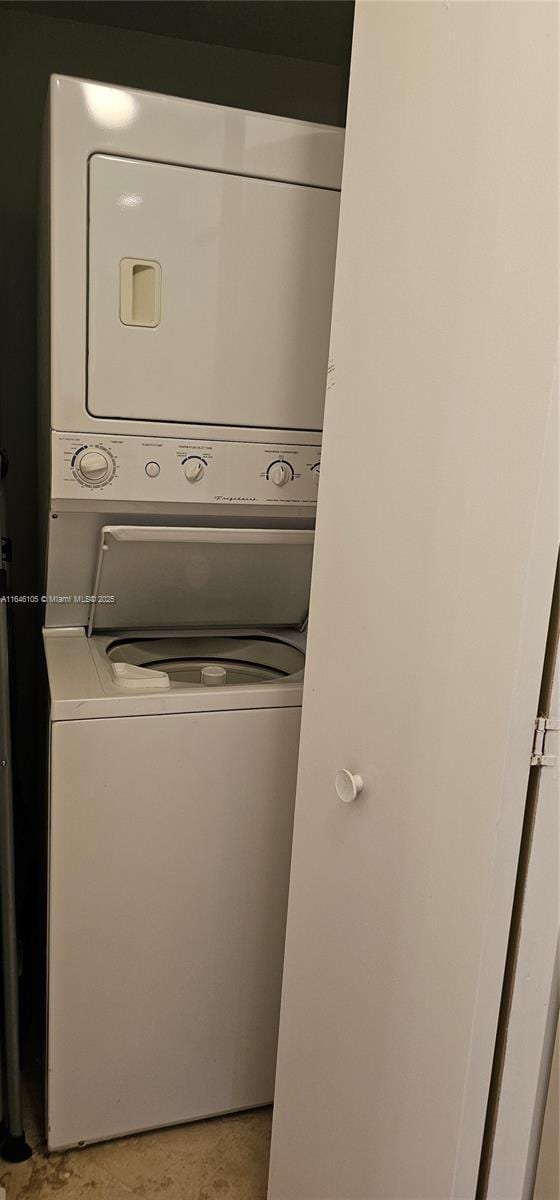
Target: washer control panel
[167, 471]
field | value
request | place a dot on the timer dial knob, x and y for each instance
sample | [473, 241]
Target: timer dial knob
[94, 467]
[316, 471]
[194, 470]
[280, 473]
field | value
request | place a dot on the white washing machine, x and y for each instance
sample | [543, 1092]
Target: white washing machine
[173, 765]
[185, 323]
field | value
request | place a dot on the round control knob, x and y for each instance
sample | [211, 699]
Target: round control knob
[280, 473]
[348, 786]
[194, 469]
[93, 466]
[316, 471]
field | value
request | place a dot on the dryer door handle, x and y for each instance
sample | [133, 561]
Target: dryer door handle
[140, 292]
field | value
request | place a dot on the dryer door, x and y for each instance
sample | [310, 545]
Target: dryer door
[209, 296]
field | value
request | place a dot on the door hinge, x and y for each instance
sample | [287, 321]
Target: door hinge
[540, 754]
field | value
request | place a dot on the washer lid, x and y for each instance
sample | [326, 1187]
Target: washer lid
[165, 577]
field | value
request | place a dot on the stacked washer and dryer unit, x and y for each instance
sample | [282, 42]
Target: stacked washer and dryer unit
[189, 263]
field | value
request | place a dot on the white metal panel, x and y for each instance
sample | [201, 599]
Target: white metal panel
[87, 118]
[169, 862]
[247, 268]
[434, 612]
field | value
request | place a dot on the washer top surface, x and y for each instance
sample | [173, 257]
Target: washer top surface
[147, 672]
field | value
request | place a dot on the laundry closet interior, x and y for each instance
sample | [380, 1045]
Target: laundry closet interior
[280, 431]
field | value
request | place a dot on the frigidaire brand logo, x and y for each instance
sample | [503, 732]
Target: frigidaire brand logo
[234, 499]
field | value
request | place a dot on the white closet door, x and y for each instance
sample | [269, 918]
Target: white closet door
[433, 572]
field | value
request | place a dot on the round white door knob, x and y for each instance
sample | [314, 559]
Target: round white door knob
[280, 474]
[93, 466]
[194, 469]
[348, 786]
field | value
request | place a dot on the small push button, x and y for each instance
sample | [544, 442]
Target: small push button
[152, 469]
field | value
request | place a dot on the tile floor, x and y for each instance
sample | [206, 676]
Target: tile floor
[222, 1159]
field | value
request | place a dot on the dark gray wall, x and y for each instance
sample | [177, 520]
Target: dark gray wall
[31, 48]
[316, 30]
